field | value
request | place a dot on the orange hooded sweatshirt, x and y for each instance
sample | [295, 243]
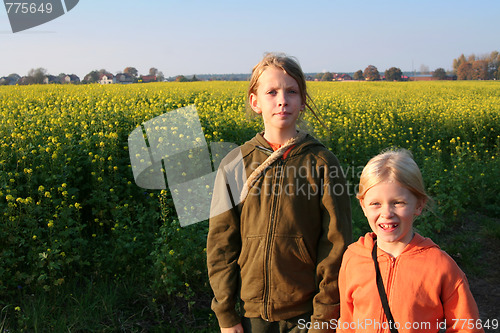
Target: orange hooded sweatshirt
[425, 288]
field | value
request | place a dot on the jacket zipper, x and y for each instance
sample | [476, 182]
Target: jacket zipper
[270, 236]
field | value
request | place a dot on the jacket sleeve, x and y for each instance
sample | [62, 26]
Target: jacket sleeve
[223, 249]
[336, 235]
[460, 308]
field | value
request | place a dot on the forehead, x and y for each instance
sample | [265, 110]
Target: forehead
[274, 76]
[388, 189]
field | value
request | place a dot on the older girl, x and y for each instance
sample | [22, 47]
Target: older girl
[279, 250]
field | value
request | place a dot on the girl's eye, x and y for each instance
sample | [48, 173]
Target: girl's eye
[375, 204]
[399, 203]
[271, 92]
[292, 92]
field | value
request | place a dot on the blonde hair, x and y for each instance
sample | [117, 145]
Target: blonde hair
[291, 67]
[393, 165]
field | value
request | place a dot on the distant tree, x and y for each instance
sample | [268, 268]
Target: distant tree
[439, 74]
[14, 76]
[36, 76]
[393, 74]
[424, 69]
[479, 70]
[194, 79]
[457, 62]
[153, 71]
[318, 76]
[371, 73]
[11, 79]
[358, 75]
[60, 78]
[464, 71]
[327, 77]
[92, 77]
[181, 78]
[160, 77]
[493, 64]
[132, 71]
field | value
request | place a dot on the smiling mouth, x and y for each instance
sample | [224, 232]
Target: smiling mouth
[388, 226]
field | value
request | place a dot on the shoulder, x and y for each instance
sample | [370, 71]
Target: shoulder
[445, 262]
[441, 264]
[320, 151]
[359, 250]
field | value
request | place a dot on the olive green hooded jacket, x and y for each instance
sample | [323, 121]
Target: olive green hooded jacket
[279, 250]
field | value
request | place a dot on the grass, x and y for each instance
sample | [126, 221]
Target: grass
[105, 306]
[130, 304]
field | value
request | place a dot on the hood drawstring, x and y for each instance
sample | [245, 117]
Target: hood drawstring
[270, 160]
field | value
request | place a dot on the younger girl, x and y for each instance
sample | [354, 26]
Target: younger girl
[393, 278]
[279, 246]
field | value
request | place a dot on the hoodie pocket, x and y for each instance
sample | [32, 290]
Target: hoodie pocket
[293, 272]
[251, 262]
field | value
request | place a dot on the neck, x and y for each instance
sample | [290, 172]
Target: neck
[280, 137]
[394, 249]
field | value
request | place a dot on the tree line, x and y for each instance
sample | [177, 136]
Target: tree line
[40, 76]
[472, 67]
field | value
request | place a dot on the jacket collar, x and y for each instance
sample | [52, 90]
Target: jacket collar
[365, 245]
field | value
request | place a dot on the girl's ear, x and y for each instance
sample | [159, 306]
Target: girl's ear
[362, 204]
[420, 206]
[254, 104]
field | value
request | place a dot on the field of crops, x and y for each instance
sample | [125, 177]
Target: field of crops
[71, 212]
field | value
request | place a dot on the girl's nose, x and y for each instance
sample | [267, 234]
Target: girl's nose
[386, 212]
[282, 101]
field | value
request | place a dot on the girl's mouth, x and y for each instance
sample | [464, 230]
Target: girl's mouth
[388, 226]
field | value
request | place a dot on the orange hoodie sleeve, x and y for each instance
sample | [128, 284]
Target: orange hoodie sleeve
[460, 308]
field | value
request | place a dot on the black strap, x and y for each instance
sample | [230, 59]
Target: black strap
[381, 292]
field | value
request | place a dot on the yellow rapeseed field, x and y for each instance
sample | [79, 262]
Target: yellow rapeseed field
[66, 184]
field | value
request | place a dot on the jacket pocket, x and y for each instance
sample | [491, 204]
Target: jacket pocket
[251, 262]
[293, 272]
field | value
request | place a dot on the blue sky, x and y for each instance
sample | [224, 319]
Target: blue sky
[222, 36]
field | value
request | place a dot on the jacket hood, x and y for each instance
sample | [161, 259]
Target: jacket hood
[364, 245]
[258, 142]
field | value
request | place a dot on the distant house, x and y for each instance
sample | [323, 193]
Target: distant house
[107, 78]
[11, 80]
[124, 78]
[342, 77]
[50, 79]
[71, 78]
[422, 77]
[148, 78]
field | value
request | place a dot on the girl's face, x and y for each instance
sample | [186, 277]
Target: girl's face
[279, 101]
[390, 209]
